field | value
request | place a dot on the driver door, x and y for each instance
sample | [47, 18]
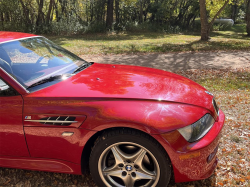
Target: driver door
[12, 139]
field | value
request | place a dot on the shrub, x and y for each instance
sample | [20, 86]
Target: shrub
[65, 27]
[95, 27]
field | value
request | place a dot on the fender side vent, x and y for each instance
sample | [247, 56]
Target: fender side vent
[58, 120]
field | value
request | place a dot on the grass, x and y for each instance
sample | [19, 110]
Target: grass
[233, 39]
[237, 31]
[231, 81]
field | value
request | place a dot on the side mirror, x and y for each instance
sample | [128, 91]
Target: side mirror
[6, 87]
[3, 86]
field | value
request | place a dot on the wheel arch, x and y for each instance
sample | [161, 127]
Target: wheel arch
[90, 143]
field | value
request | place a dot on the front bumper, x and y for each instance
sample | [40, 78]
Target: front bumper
[197, 160]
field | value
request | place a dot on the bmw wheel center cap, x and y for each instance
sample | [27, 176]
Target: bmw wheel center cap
[129, 168]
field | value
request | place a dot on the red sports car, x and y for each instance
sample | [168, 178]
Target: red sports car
[127, 125]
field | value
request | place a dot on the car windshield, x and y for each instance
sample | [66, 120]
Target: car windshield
[33, 60]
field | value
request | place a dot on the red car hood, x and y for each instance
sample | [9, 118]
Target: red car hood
[129, 82]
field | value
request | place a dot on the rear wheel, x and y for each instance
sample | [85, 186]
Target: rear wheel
[129, 158]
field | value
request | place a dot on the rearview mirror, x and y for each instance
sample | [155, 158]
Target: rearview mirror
[3, 86]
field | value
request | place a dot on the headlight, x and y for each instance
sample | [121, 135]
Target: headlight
[198, 129]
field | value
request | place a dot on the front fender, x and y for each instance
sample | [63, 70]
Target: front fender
[153, 117]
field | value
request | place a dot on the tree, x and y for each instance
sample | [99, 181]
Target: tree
[26, 14]
[248, 16]
[205, 25]
[117, 11]
[234, 9]
[40, 16]
[48, 17]
[110, 14]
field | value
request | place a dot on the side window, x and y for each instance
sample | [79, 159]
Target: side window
[6, 90]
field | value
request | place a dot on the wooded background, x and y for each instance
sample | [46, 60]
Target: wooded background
[80, 16]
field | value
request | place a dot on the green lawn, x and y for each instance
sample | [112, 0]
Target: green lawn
[233, 39]
[228, 81]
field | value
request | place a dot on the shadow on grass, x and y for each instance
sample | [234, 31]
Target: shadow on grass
[176, 61]
[109, 37]
[77, 44]
[194, 46]
[229, 35]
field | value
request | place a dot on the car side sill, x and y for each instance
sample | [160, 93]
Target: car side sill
[40, 164]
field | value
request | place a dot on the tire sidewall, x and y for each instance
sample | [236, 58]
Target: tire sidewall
[163, 161]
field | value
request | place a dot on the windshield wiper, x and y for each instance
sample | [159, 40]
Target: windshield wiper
[83, 66]
[49, 79]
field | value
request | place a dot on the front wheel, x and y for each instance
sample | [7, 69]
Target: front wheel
[129, 158]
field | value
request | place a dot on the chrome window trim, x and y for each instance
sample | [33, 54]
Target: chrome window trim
[27, 91]
[20, 39]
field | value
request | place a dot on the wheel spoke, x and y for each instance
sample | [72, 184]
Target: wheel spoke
[113, 172]
[119, 158]
[129, 181]
[142, 172]
[110, 169]
[145, 175]
[139, 157]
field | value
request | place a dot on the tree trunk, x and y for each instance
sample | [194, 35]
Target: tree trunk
[49, 11]
[204, 20]
[2, 20]
[26, 13]
[110, 14]
[141, 12]
[248, 17]
[40, 13]
[205, 27]
[57, 12]
[234, 10]
[117, 11]
[92, 11]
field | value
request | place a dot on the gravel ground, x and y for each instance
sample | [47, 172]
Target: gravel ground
[233, 168]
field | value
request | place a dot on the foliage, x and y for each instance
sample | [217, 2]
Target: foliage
[248, 17]
[220, 7]
[68, 17]
[220, 27]
[214, 6]
[95, 27]
[159, 42]
[78, 16]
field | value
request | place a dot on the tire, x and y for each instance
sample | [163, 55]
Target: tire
[129, 158]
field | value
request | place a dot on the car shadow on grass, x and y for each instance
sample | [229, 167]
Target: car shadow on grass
[27, 178]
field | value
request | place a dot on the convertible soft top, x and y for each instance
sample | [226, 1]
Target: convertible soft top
[10, 36]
